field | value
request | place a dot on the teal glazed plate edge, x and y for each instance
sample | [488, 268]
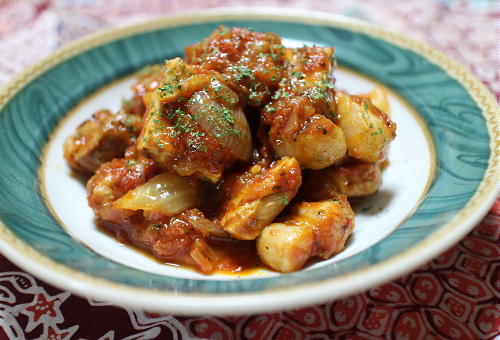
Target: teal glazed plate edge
[460, 113]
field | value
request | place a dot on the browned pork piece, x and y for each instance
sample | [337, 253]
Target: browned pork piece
[194, 124]
[113, 180]
[100, 139]
[311, 229]
[106, 135]
[251, 61]
[300, 116]
[258, 196]
[351, 179]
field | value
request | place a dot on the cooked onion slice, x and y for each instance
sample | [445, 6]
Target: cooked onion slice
[229, 126]
[166, 193]
[206, 226]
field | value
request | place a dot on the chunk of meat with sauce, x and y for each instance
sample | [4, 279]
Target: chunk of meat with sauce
[299, 130]
[252, 61]
[100, 139]
[113, 180]
[147, 81]
[258, 196]
[300, 115]
[194, 124]
[171, 238]
[181, 237]
[285, 248]
[309, 72]
[351, 179]
[312, 229]
[368, 131]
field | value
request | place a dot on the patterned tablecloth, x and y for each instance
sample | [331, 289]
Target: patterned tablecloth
[456, 296]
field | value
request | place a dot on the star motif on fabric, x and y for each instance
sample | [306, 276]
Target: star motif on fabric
[44, 309]
[53, 333]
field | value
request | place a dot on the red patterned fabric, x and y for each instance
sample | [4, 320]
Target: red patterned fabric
[455, 296]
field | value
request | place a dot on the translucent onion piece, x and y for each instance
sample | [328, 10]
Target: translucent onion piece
[292, 125]
[207, 226]
[230, 127]
[166, 193]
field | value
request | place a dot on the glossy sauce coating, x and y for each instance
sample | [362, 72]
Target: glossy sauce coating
[173, 133]
[251, 61]
[256, 197]
[300, 115]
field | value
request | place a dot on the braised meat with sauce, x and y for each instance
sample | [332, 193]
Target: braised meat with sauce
[242, 154]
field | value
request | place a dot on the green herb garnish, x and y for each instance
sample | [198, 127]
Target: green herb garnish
[284, 199]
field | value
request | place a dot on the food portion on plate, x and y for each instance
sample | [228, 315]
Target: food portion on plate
[242, 154]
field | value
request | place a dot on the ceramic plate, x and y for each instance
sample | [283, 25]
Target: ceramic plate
[441, 179]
